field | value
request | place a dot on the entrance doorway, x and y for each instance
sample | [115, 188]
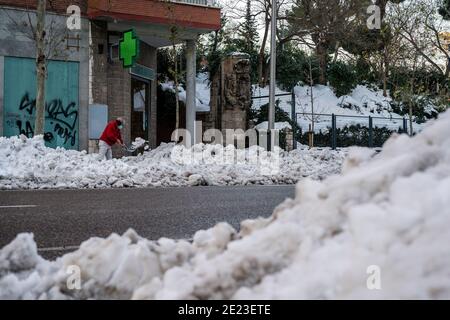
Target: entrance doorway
[140, 108]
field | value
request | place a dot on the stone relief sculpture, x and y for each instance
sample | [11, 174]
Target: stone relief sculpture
[238, 86]
[231, 94]
[230, 91]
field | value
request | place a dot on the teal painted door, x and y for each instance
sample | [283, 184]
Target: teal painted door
[61, 109]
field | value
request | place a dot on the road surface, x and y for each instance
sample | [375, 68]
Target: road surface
[62, 219]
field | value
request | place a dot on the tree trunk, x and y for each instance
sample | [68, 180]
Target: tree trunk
[41, 69]
[447, 70]
[177, 94]
[266, 73]
[386, 68]
[262, 79]
[411, 129]
[321, 52]
[411, 105]
[336, 51]
[311, 86]
[176, 84]
[385, 72]
[216, 41]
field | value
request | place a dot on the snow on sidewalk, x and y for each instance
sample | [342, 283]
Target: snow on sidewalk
[28, 164]
[388, 213]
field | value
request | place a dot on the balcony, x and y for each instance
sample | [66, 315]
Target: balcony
[197, 16]
[205, 3]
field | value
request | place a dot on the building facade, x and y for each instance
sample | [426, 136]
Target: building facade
[87, 84]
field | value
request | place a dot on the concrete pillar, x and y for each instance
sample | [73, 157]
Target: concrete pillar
[84, 70]
[191, 70]
[2, 66]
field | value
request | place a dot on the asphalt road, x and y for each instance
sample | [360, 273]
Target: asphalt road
[62, 219]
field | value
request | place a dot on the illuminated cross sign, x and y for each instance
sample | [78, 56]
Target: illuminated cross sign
[129, 48]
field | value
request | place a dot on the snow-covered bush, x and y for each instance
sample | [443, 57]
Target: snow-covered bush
[342, 77]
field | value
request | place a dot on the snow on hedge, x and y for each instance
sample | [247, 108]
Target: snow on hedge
[352, 109]
[387, 212]
[28, 164]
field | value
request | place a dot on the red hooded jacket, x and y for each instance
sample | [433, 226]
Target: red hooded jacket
[111, 134]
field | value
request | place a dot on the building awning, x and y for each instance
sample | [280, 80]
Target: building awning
[186, 14]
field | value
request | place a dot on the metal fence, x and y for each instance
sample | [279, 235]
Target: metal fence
[339, 131]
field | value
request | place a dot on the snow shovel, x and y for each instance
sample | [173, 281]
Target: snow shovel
[128, 149]
[132, 149]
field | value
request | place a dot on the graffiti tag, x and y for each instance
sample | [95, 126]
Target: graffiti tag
[63, 119]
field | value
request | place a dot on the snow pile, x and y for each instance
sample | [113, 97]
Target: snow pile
[28, 164]
[388, 212]
[138, 143]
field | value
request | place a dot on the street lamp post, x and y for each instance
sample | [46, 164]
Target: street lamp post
[273, 66]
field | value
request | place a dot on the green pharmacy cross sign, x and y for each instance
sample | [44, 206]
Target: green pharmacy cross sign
[129, 48]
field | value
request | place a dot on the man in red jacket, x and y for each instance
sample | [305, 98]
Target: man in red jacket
[110, 137]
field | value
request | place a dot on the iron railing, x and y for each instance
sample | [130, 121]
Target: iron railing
[206, 3]
[332, 130]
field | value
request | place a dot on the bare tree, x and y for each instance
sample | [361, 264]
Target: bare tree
[312, 115]
[421, 26]
[176, 71]
[311, 88]
[411, 92]
[174, 57]
[391, 53]
[261, 12]
[41, 68]
[48, 36]
[262, 80]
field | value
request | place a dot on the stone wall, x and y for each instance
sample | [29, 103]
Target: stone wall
[230, 95]
[99, 63]
[235, 91]
[289, 140]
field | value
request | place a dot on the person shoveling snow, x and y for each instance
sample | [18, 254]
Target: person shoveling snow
[111, 136]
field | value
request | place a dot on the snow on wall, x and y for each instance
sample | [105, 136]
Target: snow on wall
[388, 211]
